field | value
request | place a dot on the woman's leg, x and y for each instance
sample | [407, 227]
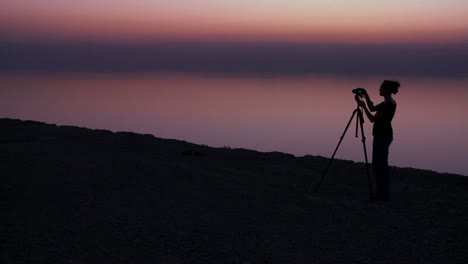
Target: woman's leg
[380, 165]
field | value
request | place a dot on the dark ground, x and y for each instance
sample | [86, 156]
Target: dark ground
[75, 195]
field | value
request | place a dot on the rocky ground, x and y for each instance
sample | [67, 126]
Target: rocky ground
[75, 195]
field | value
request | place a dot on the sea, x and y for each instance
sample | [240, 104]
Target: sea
[298, 114]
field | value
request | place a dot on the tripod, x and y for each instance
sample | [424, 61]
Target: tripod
[359, 122]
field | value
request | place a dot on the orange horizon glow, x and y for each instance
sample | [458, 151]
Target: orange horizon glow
[150, 24]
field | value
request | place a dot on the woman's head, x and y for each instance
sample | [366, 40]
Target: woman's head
[389, 87]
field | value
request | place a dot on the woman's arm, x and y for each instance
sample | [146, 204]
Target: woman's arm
[369, 115]
[370, 104]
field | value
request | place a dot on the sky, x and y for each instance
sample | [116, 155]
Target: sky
[355, 21]
[411, 37]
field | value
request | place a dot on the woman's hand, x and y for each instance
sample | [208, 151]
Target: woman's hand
[361, 103]
[365, 94]
[370, 104]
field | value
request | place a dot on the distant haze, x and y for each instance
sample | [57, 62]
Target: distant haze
[268, 58]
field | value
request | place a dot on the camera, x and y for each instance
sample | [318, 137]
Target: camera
[359, 91]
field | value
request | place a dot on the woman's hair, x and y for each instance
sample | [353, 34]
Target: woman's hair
[392, 85]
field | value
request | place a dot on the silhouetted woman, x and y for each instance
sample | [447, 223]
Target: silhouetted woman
[383, 134]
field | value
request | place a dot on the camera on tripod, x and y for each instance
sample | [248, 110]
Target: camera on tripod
[359, 91]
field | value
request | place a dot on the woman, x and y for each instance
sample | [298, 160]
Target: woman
[382, 132]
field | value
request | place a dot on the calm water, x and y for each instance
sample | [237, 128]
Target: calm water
[298, 115]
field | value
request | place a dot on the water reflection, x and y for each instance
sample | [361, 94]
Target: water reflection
[300, 115]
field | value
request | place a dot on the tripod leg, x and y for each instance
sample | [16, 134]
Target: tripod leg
[361, 121]
[333, 156]
[358, 120]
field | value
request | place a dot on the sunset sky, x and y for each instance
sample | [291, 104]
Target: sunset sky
[355, 21]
